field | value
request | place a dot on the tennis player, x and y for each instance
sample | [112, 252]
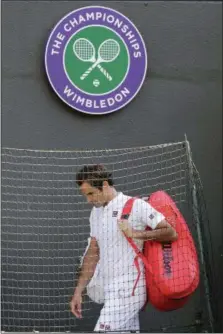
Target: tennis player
[108, 271]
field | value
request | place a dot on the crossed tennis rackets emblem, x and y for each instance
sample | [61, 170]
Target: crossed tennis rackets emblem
[108, 51]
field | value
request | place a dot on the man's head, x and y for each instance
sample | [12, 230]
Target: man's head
[96, 184]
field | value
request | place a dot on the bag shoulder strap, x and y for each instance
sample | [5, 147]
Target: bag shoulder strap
[125, 215]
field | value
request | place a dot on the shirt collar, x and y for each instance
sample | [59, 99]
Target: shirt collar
[114, 200]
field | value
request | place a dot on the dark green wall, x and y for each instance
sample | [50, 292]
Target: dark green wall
[181, 94]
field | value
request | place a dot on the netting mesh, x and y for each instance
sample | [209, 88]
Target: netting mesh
[109, 50]
[45, 228]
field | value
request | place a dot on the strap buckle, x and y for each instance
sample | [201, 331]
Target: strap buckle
[125, 216]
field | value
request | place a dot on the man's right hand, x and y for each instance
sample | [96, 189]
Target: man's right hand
[89, 264]
[75, 304]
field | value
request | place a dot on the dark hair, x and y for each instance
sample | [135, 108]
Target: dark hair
[95, 175]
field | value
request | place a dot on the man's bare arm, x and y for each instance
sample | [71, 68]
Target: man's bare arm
[89, 264]
[87, 271]
[164, 232]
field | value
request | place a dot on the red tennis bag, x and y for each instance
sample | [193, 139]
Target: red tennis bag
[171, 269]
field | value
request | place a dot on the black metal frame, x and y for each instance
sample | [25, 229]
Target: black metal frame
[205, 252]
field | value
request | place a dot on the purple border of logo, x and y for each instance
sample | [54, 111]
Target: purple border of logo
[57, 75]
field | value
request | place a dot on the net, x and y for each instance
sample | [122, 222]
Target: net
[45, 230]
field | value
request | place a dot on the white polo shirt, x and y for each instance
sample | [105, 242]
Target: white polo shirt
[116, 254]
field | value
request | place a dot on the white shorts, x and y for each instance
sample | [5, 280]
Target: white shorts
[121, 309]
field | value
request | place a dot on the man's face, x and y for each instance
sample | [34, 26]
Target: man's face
[93, 195]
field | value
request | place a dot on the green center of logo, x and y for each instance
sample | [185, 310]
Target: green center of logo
[96, 60]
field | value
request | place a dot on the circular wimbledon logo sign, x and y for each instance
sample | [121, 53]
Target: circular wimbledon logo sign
[96, 60]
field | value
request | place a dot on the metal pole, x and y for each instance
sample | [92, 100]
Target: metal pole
[199, 233]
